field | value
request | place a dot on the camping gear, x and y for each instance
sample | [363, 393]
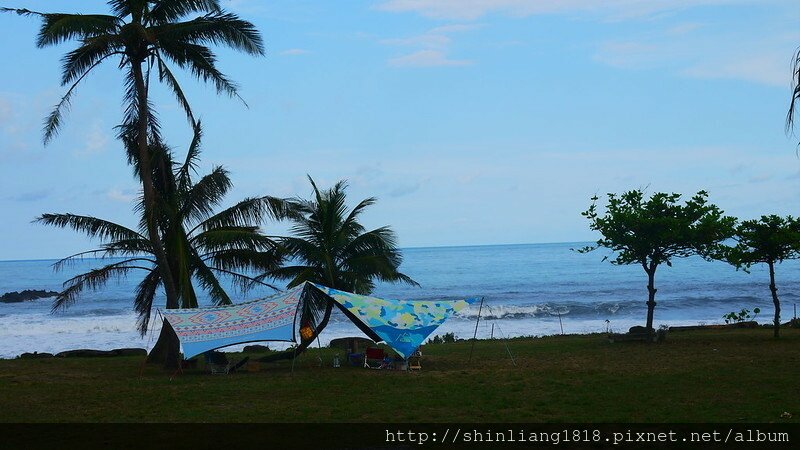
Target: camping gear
[415, 361]
[268, 319]
[402, 324]
[218, 363]
[374, 358]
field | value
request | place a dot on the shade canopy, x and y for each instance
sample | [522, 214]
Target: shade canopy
[401, 324]
[268, 319]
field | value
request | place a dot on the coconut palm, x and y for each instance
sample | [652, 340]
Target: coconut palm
[330, 247]
[146, 36]
[201, 245]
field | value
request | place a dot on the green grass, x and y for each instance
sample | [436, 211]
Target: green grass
[699, 376]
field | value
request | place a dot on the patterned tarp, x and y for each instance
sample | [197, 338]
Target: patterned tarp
[402, 324]
[267, 319]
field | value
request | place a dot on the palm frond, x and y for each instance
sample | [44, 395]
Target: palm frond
[199, 201]
[184, 175]
[57, 28]
[92, 280]
[91, 226]
[53, 121]
[143, 302]
[219, 28]
[231, 238]
[166, 76]
[166, 11]
[250, 211]
[21, 11]
[795, 102]
[245, 260]
[201, 62]
[209, 282]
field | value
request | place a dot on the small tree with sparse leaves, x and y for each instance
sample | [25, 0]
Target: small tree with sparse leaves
[654, 231]
[769, 240]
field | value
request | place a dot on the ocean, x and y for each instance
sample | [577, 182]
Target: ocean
[528, 290]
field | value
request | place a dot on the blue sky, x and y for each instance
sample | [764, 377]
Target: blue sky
[472, 121]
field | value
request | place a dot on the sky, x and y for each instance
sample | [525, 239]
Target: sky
[472, 121]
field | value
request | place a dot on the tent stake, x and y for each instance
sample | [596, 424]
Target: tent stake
[475, 335]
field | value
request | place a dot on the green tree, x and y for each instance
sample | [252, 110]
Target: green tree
[769, 240]
[330, 247]
[146, 36]
[201, 245]
[654, 231]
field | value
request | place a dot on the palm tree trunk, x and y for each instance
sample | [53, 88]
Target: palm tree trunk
[774, 290]
[304, 344]
[145, 173]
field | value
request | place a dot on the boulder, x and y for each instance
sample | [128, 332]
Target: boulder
[35, 355]
[87, 353]
[129, 352]
[638, 329]
[84, 353]
[26, 295]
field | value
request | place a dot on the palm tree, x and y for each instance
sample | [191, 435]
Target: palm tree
[146, 35]
[200, 245]
[330, 247]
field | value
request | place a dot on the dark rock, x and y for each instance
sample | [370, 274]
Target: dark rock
[84, 353]
[87, 353]
[26, 295]
[35, 355]
[129, 352]
[255, 349]
[637, 329]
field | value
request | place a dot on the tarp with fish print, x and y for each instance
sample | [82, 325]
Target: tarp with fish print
[267, 319]
[402, 324]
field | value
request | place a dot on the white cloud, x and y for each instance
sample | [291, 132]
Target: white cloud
[433, 46]
[5, 110]
[294, 52]
[761, 59]
[427, 58]
[771, 68]
[121, 195]
[473, 9]
[95, 140]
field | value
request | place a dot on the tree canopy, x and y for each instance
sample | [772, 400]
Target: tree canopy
[202, 245]
[656, 230]
[769, 240]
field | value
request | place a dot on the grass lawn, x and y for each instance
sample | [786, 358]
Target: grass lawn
[735, 375]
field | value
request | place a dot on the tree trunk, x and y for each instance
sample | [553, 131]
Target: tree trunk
[651, 297]
[146, 176]
[775, 300]
[293, 353]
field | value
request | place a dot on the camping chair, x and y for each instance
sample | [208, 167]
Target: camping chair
[374, 358]
[218, 363]
[415, 360]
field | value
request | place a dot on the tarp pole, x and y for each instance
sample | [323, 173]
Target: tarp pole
[294, 356]
[475, 335]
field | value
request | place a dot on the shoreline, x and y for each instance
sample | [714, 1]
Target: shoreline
[463, 331]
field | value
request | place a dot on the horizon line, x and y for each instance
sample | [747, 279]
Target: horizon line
[421, 247]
